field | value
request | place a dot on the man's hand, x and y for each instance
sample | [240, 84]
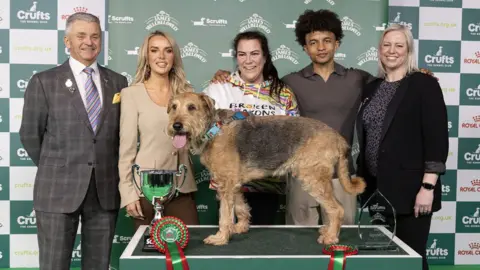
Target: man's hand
[135, 210]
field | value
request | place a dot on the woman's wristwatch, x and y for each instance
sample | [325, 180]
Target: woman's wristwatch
[428, 186]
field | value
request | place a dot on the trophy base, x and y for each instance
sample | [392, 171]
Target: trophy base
[373, 247]
[148, 245]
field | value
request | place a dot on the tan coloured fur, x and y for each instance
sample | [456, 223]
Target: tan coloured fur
[313, 163]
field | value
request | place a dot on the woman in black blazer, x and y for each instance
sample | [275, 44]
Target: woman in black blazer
[403, 135]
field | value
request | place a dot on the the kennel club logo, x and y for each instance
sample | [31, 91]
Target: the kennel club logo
[368, 56]
[210, 22]
[349, 25]
[439, 59]
[192, 50]
[256, 21]
[33, 14]
[162, 18]
[284, 52]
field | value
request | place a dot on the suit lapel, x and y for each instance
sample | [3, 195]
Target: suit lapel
[393, 106]
[66, 77]
[107, 95]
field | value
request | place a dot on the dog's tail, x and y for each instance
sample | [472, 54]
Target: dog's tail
[354, 186]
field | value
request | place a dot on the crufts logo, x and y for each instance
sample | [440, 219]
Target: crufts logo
[472, 221]
[473, 93]
[439, 59]
[398, 20]
[435, 251]
[474, 29]
[32, 15]
[473, 157]
[210, 22]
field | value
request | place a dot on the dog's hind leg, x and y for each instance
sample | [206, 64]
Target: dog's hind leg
[242, 211]
[317, 181]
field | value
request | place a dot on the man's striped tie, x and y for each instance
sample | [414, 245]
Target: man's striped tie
[94, 106]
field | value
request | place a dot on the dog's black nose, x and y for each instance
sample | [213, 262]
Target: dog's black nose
[177, 126]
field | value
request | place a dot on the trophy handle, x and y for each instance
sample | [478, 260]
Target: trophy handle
[181, 168]
[135, 169]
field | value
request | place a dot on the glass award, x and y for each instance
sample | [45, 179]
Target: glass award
[377, 224]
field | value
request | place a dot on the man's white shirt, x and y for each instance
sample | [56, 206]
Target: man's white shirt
[81, 78]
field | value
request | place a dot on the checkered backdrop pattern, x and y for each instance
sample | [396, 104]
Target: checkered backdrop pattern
[447, 41]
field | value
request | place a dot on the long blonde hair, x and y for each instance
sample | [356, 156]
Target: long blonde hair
[411, 62]
[176, 76]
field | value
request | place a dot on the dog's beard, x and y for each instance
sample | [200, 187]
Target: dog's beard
[192, 134]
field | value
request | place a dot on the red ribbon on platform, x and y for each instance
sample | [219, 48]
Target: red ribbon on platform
[170, 236]
[338, 255]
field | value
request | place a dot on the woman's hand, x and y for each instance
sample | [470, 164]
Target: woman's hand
[423, 202]
[221, 76]
[135, 210]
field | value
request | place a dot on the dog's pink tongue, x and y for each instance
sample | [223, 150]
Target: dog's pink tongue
[179, 141]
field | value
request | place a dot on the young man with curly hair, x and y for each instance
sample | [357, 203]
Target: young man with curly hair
[325, 91]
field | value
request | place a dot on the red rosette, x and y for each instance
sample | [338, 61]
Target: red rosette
[338, 255]
[169, 229]
[347, 249]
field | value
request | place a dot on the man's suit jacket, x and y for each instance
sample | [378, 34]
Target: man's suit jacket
[414, 141]
[58, 137]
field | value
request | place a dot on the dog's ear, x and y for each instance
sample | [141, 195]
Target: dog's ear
[210, 102]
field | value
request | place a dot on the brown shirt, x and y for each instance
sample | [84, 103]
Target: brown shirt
[335, 101]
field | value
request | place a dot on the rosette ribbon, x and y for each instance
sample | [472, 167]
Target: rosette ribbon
[170, 236]
[338, 255]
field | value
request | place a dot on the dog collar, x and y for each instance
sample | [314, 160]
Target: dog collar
[217, 125]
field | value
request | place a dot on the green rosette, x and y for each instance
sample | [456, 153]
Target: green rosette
[338, 255]
[170, 236]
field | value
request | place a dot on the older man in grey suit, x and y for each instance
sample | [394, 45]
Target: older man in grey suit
[70, 130]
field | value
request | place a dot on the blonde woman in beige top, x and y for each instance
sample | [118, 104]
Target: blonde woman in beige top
[144, 117]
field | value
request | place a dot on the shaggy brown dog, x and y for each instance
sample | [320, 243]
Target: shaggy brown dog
[249, 149]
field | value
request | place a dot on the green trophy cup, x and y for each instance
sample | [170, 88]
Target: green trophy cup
[158, 187]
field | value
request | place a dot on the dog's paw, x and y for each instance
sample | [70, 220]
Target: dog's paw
[327, 240]
[323, 230]
[240, 228]
[216, 240]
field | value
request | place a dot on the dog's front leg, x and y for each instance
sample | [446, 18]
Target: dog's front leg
[226, 219]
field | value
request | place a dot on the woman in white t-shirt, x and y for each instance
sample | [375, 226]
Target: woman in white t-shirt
[256, 88]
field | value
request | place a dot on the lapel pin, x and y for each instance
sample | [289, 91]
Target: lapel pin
[68, 83]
